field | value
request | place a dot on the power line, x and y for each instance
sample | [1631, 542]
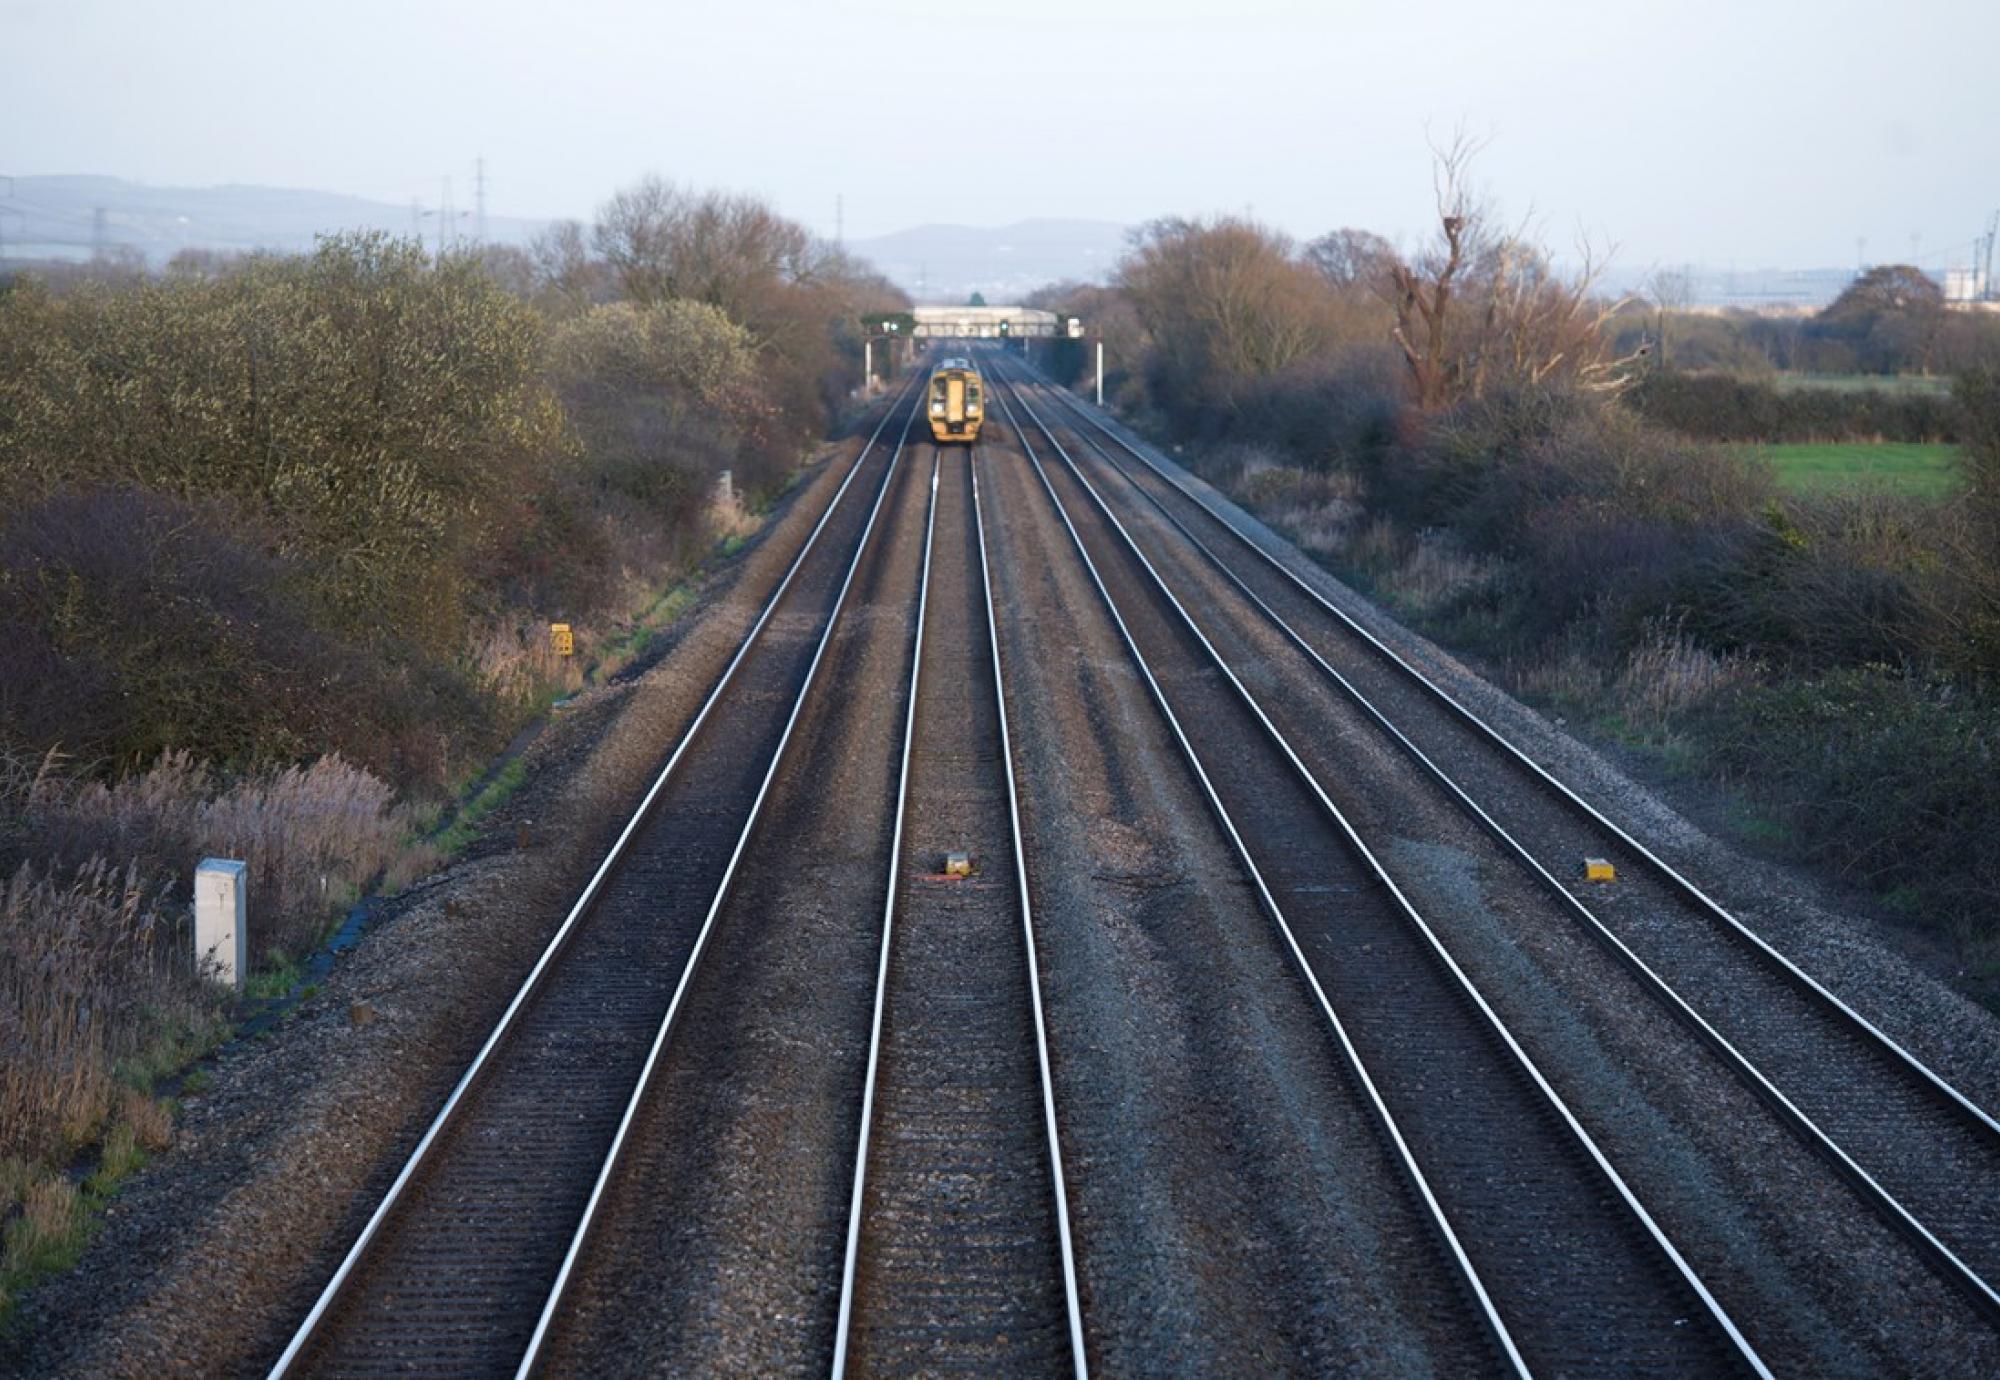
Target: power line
[479, 200]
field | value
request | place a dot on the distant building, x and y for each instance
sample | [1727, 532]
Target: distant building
[1805, 292]
[1769, 291]
[1966, 285]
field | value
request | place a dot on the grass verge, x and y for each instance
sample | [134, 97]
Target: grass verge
[1918, 470]
[465, 826]
[1938, 384]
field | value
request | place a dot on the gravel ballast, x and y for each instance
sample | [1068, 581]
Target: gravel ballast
[1234, 1210]
[1772, 1228]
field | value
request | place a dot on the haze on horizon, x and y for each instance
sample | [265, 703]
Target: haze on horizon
[1692, 131]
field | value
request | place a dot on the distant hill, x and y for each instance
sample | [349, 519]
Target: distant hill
[66, 217]
[948, 263]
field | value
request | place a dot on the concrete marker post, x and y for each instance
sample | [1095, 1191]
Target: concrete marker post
[222, 920]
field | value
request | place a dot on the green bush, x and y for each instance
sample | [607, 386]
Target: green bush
[1728, 407]
[663, 398]
[1597, 514]
[137, 623]
[1977, 396]
[380, 413]
[1886, 778]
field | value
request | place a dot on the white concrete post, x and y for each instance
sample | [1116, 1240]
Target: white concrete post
[1100, 373]
[867, 366]
[222, 920]
[725, 486]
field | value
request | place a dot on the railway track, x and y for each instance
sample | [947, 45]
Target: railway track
[463, 1265]
[958, 1252]
[1568, 1271]
[958, 1249]
[1916, 1150]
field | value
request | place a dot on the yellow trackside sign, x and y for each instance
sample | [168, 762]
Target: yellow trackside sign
[562, 640]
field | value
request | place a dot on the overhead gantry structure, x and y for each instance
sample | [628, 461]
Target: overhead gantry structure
[961, 323]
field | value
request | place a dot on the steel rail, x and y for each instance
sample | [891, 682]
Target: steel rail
[1057, 1184]
[588, 1220]
[852, 1256]
[331, 1293]
[1745, 1352]
[1489, 1314]
[1961, 1104]
[1899, 1217]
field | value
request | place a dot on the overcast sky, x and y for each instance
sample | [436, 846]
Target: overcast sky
[1747, 132]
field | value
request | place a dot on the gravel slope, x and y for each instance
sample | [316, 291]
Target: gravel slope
[1846, 951]
[1771, 1227]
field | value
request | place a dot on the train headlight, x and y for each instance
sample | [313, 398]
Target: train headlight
[937, 409]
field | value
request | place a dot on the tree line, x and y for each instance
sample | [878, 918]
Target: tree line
[331, 475]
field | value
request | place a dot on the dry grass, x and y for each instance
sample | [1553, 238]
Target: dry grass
[514, 659]
[151, 1120]
[48, 1226]
[1566, 677]
[80, 985]
[47, 1234]
[1437, 572]
[312, 836]
[1317, 510]
[1427, 573]
[1377, 546]
[119, 1155]
[727, 519]
[17, 1176]
[1669, 672]
[97, 990]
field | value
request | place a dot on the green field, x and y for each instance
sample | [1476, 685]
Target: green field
[1924, 471]
[1847, 383]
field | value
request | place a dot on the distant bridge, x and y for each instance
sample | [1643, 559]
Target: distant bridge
[978, 323]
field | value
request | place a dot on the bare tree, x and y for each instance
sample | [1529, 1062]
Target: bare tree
[1352, 260]
[1422, 291]
[1543, 326]
[1672, 291]
[564, 269]
[637, 233]
[1480, 307]
[1225, 295]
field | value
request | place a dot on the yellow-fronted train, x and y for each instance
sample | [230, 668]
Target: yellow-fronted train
[957, 401]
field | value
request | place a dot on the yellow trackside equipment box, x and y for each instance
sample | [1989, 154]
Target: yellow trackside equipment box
[562, 640]
[1599, 870]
